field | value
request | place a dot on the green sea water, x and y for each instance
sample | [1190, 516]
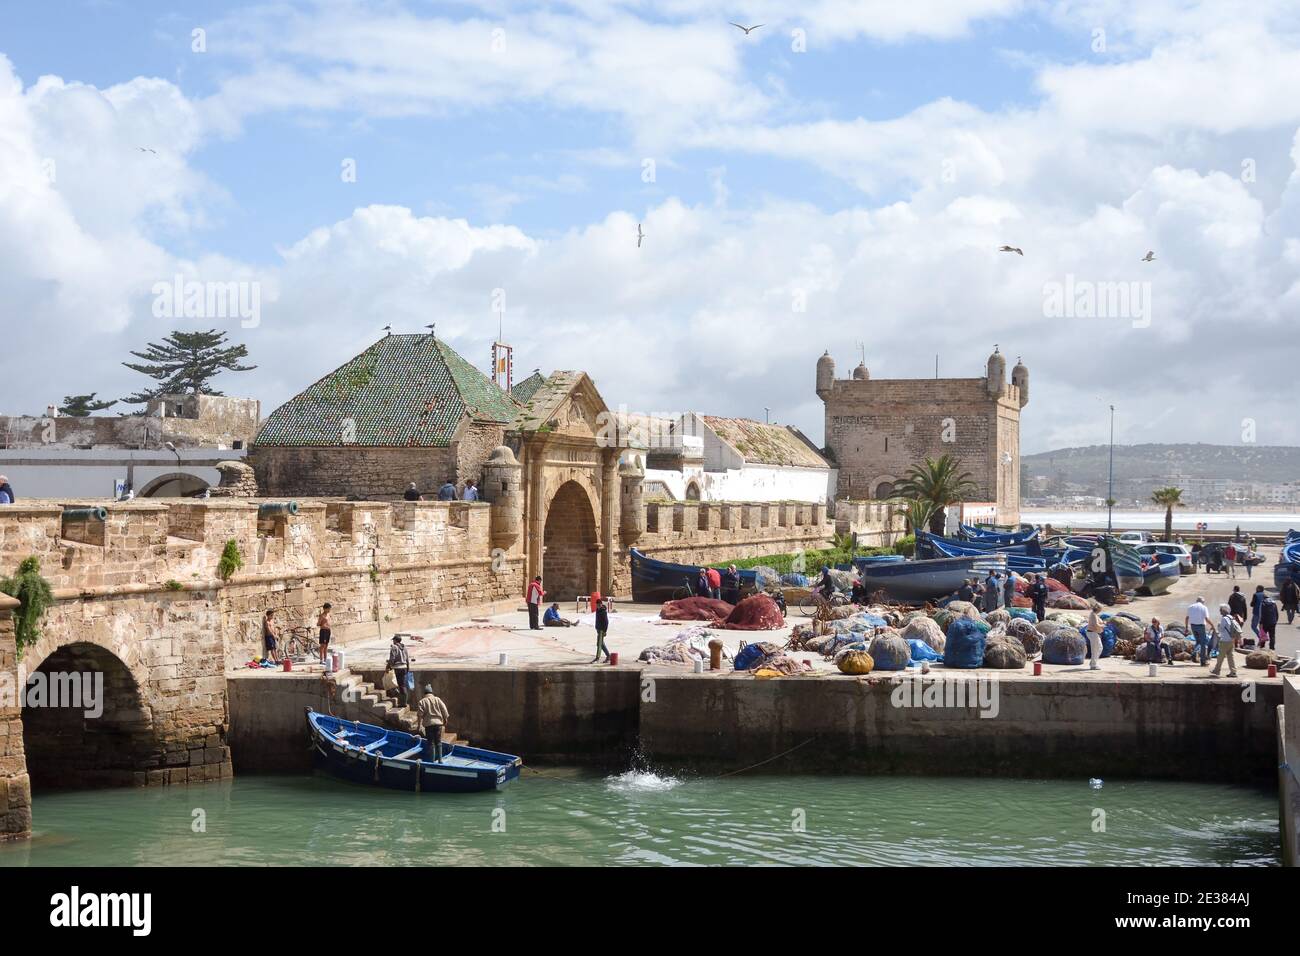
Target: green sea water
[573, 817]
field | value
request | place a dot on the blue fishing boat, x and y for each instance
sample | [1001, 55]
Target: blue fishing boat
[382, 757]
[994, 536]
[929, 578]
[1288, 563]
[1021, 558]
[655, 581]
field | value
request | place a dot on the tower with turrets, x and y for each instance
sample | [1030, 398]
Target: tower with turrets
[878, 428]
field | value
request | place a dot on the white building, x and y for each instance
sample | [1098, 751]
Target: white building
[696, 457]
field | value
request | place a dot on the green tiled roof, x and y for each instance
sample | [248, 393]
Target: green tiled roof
[525, 390]
[405, 390]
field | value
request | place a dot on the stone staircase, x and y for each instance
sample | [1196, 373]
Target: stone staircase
[360, 700]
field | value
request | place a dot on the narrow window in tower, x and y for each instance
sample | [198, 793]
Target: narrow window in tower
[886, 443]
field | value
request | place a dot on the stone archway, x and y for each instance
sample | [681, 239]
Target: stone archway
[569, 560]
[85, 723]
[178, 484]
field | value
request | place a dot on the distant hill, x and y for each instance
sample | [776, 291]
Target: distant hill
[1088, 465]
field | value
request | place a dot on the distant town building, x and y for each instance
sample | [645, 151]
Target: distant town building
[59, 456]
[877, 429]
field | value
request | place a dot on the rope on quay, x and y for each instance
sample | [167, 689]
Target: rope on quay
[732, 773]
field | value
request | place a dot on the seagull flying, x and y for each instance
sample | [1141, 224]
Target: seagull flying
[146, 149]
[1014, 249]
[1149, 257]
[748, 30]
[639, 235]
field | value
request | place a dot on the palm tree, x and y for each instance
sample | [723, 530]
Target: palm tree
[1169, 498]
[940, 483]
[915, 512]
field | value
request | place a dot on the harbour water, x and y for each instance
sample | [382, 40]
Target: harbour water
[1184, 519]
[577, 817]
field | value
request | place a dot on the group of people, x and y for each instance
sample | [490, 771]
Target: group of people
[447, 492]
[719, 585]
[999, 590]
[534, 596]
[430, 711]
[271, 633]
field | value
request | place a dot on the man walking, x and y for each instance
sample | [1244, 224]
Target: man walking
[1229, 632]
[471, 491]
[1290, 595]
[1256, 600]
[992, 593]
[1230, 558]
[602, 628]
[1038, 594]
[400, 660]
[1195, 621]
[1009, 591]
[534, 597]
[448, 491]
[432, 714]
[1268, 615]
[1237, 602]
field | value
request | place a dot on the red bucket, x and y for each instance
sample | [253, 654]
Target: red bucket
[1272, 670]
[287, 665]
[1038, 668]
[613, 659]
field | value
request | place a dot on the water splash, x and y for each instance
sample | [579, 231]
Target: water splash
[643, 781]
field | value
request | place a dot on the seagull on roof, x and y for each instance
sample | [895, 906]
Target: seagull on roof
[1014, 249]
[748, 30]
[639, 235]
[1149, 257]
[388, 329]
[432, 330]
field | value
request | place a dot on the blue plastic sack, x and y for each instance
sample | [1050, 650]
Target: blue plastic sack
[922, 651]
[747, 657]
[1024, 613]
[792, 579]
[965, 643]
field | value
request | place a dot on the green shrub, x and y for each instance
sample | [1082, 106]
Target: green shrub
[34, 596]
[906, 545]
[171, 584]
[231, 560]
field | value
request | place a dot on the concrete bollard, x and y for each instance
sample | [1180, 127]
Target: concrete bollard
[1152, 670]
[503, 658]
[699, 666]
[715, 654]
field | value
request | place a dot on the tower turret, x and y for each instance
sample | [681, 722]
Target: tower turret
[1020, 379]
[861, 374]
[631, 478]
[997, 374]
[825, 375]
[502, 486]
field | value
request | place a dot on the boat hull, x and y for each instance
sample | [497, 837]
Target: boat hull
[655, 581]
[928, 578]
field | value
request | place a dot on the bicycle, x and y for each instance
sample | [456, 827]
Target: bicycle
[299, 642]
[814, 602]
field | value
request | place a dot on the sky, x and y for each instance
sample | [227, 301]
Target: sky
[840, 179]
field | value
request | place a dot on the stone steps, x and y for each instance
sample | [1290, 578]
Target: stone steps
[381, 709]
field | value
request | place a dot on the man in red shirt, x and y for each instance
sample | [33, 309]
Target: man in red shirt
[715, 583]
[534, 596]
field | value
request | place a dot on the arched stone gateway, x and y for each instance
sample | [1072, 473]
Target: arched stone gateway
[85, 723]
[570, 559]
[178, 484]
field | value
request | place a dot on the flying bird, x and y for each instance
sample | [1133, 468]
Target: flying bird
[1014, 249]
[1149, 257]
[146, 149]
[639, 235]
[748, 30]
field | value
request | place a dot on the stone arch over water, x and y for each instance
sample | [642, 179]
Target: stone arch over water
[85, 720]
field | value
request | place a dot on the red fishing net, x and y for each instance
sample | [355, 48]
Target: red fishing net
[696, 609]
[755, 613]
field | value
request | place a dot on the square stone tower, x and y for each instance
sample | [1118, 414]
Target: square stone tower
[876, 429]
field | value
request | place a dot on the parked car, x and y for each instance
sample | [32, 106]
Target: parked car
[1135, 538]
[1179, 550]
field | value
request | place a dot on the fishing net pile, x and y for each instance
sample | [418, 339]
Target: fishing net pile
[753, 656]
[685, 647]
[1259, 660]
[890, 652]
[758, 612]
[696, 609]
[855, 662]
[1004, 652]
[1027, 634]
[1067, 601]
[778, 665]
[1064, 646]
[1128, 628]
[926, 630]
[964, 646]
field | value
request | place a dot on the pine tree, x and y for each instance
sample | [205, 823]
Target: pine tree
[187, 362]
[81, 406]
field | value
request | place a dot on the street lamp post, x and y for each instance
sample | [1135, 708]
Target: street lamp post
[1110, 486]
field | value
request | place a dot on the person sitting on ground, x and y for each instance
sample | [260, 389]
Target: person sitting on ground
[412, 493]
[1229, 633]
[448, 491]
[432, 714]
[1155, 633]
[552, 618]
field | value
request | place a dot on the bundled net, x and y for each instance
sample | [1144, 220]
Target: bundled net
[924, 629]
[696, 609]
[855, 662]
[889, 651]
[1004, 653]
[758, 612]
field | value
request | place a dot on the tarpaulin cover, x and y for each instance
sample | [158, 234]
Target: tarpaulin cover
[922, 651]
[965, 643]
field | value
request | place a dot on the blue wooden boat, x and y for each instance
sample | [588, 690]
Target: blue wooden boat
[382, 757]
[655, 581]
[1021, 558]
[1158, 575]
[929, 578]
[994, 536]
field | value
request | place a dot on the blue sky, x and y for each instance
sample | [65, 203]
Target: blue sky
[873, 175]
